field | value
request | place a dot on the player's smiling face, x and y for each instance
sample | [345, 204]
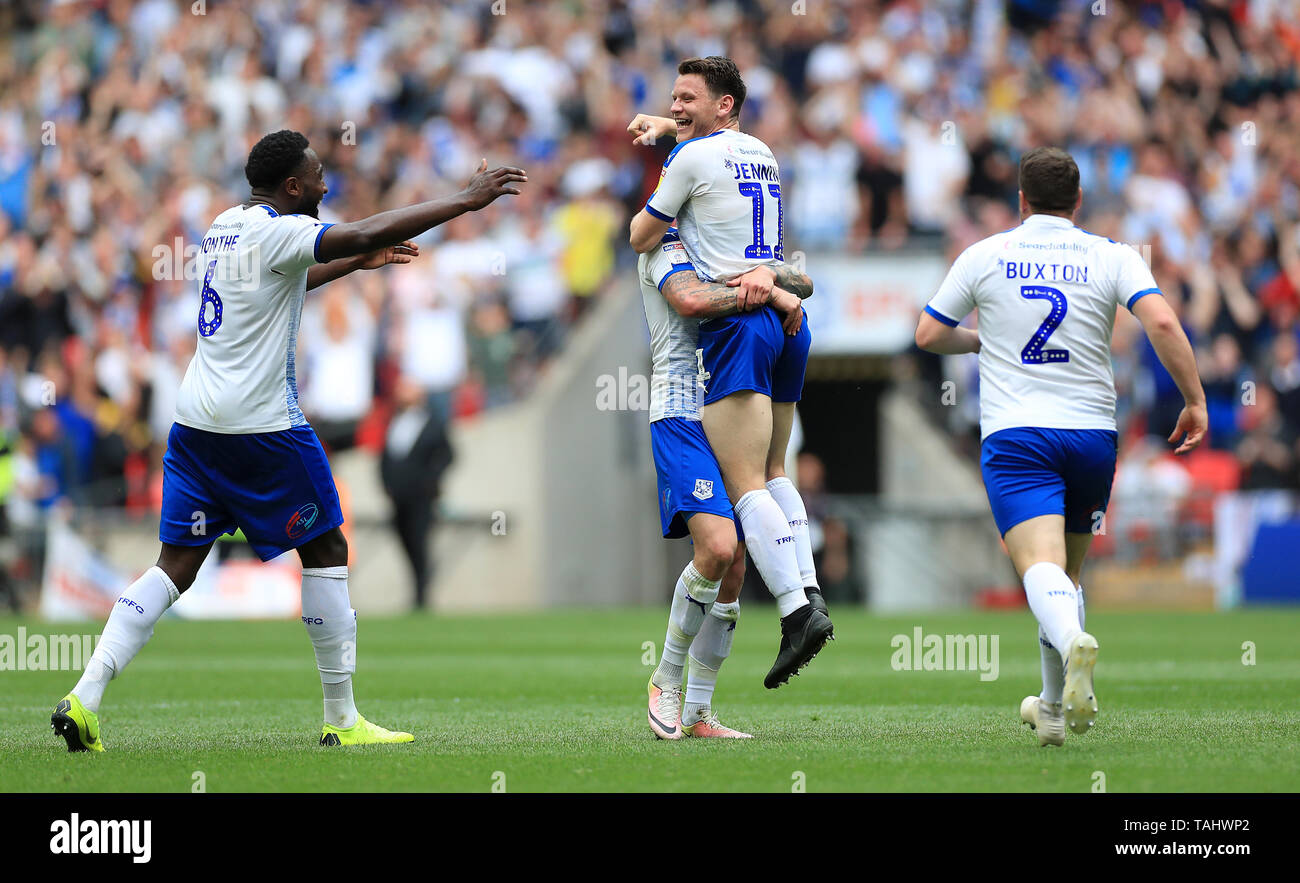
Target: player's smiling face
[311, 184]
[695, 111]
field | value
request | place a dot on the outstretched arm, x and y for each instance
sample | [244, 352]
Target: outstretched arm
[402, 253]
[396, 226]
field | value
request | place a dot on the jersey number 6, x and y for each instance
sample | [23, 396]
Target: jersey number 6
[210, 296]
[1033, 353]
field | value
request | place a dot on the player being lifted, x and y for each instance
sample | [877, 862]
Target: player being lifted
[724, 188]
[706, 600]
[1047, 293]
[241, 454]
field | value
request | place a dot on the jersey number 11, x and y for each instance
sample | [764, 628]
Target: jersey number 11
[759, 250]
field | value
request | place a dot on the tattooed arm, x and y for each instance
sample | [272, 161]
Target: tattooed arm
[793, 281]
[689, 296]
[754, 288]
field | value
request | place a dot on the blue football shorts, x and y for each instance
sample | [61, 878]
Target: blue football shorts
[275, 486]
[688, 475]
[1030, 471]
[750, 351]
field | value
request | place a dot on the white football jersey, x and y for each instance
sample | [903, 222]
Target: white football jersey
[1047, 293]
[724, 190]
[241, 379]
[675, 382]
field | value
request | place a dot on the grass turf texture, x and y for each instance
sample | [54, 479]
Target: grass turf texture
[556, 702]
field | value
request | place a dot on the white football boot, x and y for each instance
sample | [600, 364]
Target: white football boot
[1045, 718]
[1079, 699]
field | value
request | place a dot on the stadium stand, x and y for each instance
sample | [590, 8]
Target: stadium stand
[124, 128]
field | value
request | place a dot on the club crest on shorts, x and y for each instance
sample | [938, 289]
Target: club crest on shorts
[301, 521]
[703, 489]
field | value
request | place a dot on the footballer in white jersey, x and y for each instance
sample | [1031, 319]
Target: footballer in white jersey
[724, 189]
[240, 455]
[254, 263]
[691, 493]
[1047, 293]
[692, 501]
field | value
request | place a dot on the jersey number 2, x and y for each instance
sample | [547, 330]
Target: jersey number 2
[759, 250]
[1033, 353]
[207, 327]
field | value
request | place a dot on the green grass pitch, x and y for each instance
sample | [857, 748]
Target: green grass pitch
[556, 702]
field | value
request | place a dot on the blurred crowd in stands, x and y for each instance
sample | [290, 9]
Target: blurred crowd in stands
[124, 127]
[1184, 118]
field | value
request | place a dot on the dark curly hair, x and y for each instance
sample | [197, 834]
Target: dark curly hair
[274, 158]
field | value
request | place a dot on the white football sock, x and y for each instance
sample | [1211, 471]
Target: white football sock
[771, 545]
[692, 598]
[1053, 665]
[787, 497]
[1053, 669]
[709, 650]
[332, 626]
[1055, 603]
[129, 627]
